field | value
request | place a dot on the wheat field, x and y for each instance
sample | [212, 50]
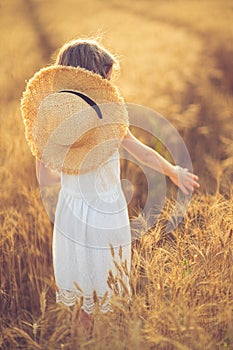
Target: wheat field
[176, 58]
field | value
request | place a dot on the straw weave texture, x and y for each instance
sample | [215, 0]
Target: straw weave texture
[61, 129]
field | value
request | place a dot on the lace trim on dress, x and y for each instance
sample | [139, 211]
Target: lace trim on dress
[69, 298]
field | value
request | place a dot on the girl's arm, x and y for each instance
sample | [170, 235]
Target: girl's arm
[179, 176]
[45, 176]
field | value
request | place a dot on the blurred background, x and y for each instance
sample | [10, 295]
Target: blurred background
[176, 59]
[175, 56]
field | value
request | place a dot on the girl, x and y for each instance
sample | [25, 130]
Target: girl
[86, 226]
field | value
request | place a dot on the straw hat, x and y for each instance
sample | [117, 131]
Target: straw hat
[74, 119]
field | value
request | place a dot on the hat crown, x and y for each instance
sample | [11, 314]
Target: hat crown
[64, 117]
[56, 121]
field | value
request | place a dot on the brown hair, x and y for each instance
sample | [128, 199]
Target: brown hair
[88, 54]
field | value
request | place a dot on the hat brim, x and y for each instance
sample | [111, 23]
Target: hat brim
[109, 132]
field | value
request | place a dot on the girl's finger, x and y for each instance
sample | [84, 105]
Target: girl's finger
[190, 187]
[192, 179]
[183, 189]
[193, 176]
[192, 183]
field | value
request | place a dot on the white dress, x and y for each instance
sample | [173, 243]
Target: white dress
[91, 215]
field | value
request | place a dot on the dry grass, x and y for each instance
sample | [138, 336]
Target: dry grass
[176, 58]
[181, 289]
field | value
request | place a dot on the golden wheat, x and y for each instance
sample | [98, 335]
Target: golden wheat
[176, 58]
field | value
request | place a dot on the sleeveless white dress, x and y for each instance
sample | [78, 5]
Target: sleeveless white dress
[91, 217]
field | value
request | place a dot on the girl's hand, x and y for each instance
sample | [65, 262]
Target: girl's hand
[183, 179]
